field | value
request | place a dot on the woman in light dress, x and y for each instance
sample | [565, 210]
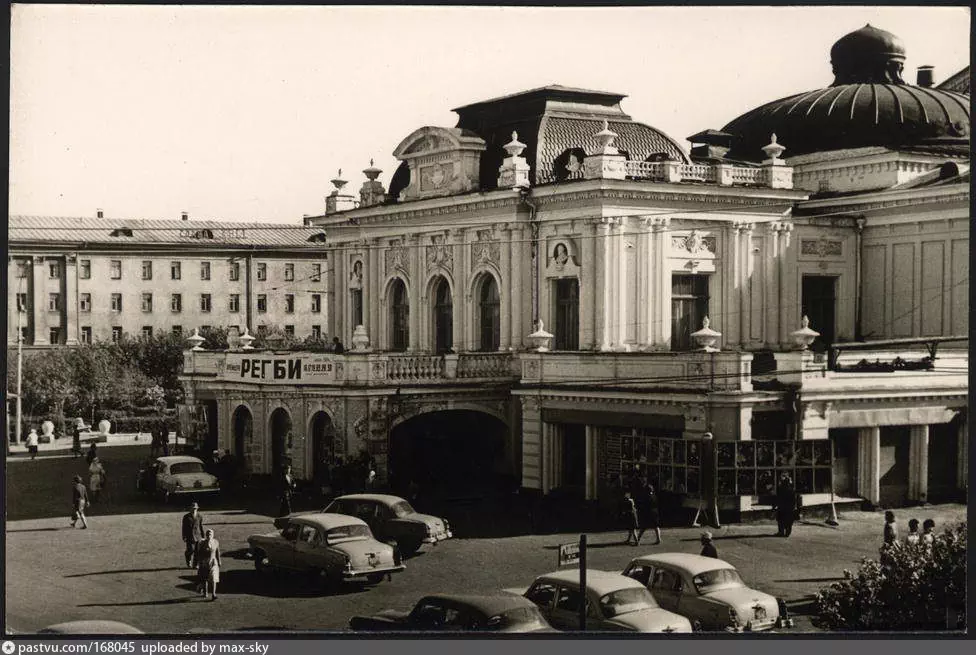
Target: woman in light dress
[96, 478]
[208, 563]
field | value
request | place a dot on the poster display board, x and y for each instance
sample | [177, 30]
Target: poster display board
[671, 464]
[752, 468]
[193, 425]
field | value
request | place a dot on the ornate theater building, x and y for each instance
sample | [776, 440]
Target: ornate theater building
[553, 294]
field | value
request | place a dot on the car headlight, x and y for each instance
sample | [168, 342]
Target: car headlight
[733, 618]
[348, 564]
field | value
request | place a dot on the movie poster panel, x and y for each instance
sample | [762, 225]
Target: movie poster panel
[725, 454]
[726, 482]
[694, 453]
[765, 453]
[804, 480]
[765, 482]
[746, 481]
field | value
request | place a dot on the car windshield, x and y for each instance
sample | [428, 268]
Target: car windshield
[402, 508]
[717, 579]
[627, 600]
[186, 467]
[348, 533]
[519, 616]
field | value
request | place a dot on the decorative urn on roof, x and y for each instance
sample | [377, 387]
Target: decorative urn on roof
[706, 337]
[196, 341]
[246, 340]
[804, 336]
[514, 171]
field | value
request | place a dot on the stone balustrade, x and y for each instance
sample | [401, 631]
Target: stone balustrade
[720, 174]
[415, 368]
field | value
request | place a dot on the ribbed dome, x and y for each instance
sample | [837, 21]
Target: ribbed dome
[868, 105]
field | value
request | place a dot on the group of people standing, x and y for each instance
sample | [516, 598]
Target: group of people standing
[914, 537]
[641, 511]
[82, 496]
[202, 551]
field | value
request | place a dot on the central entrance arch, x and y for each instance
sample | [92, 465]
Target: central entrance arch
[323, 445]
[449, 454]
[280, 429]
[243, 424]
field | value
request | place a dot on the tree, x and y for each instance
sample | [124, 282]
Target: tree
[215, 338]
[276, 338]
[48, 382]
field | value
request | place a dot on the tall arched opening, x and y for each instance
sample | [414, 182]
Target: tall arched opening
[280, 431]
[443, 318]
[243, 426]
[323, 445]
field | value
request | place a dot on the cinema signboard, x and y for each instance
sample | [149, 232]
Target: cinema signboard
[289, 369]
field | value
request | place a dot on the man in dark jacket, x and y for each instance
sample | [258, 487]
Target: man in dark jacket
[286, 486]
[79, 501]
[785, 506]
[708, 548]
[192, 532]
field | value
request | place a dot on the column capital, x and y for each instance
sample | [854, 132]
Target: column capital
[743, 226]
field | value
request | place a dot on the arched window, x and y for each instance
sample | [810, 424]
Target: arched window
[489, 320]
[399, 317]
[443, 317]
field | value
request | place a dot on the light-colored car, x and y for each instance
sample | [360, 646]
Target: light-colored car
[499, 612]
[176, 475]
[614, 603]
[708, 591]
[91, 627]
[333, 547]
[391, 518]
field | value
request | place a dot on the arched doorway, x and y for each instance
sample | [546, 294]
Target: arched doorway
[243, 424]
[443, 317]
[489, 316]
[323, 446]
[449, 455]
[399, 316]
[280, 431]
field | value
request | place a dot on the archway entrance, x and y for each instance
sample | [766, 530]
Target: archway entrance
[243, 424]
[449, 455]
[280, 429]
[323, 446]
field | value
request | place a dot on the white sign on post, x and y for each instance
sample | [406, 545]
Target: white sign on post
[569, 554]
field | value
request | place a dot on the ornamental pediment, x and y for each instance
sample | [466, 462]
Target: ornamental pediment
[442, 162]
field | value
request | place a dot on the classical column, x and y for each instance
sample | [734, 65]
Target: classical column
[605, 282]
[621, 291]
[371, 292]
[918, 463]
[662, 295]
[331, 285]
[784, 314]
[39, 304]
[590, 291]
[417, 301]
[745, 283]
[70, 311]
[771, 286]
[869, 464]
[962, 448]
[505, 290]
[591, 463]
[516, 281]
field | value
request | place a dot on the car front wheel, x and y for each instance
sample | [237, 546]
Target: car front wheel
[260, 562]
[408, 548]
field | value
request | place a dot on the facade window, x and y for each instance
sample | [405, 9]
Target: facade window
[175, 270]
[289, 303]
[262, 303]
[116, 302]
[176, 303]
[443, 317]
[54, 270]
[399, 317]
[235, 271]
[84, 269]
[21, 268]
[54, 335]
[489, 315]
[116, 333]
[317, 303]
[86, 334]
[818, 301]
[356, 299]
[567, 314]
[234, 304]
[289, 272]
[147, 332]
[84, 302]
[115, 269]
[316, 272]
[204, 302]
[689, 305]
[262, 329]
[22, 302]
[146, 270]
[147, 302]
[204, 270]
[54, 302]
[262, 272]
[316, 331]
[178, 330]
[290, 330]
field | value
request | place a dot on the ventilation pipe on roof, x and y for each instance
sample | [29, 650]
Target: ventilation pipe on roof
[926, 76]
[99, 213]
[184, 216]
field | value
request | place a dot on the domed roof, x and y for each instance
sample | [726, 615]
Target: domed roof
[868, 105]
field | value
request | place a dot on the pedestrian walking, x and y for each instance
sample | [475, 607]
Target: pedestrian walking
[79, 501]
[928, 533]
[890, 528]
[193, 533]
[96, 478]
[76, 437]
[628, 512]
[164, 438]
[708, 548]
[208, 564]
[286, 487]
[92, 453]
[31, 443]
[785, 506]
[913, 537]
[649, 514]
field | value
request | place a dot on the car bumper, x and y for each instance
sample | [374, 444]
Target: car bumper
[756, 625]
[440, 536]
[361, 575]
[186, 491]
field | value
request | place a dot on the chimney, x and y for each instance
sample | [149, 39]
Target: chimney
[926, 76]
[184, 216]
[99, 213]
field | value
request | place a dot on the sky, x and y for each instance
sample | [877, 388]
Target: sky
[245, 113]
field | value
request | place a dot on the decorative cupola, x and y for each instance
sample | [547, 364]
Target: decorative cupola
[338, 201]
[442, 162]
[606, 163]
[514, 171]
[372, 191]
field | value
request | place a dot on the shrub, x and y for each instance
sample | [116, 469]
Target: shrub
[910, 587]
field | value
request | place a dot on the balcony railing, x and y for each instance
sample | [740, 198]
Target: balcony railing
[722, 174]
[415, 368]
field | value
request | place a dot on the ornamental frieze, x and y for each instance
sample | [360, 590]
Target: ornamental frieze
[485, 250]
[439, 254]
[822, 247]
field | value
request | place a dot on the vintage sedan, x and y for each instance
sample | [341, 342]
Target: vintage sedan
[613, 603]
[708, 591]
[333, 547]
[176, 475]
[391, 518]
[500, 612]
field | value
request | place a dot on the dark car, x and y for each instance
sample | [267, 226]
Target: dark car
[498, 612]
[391, 518]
